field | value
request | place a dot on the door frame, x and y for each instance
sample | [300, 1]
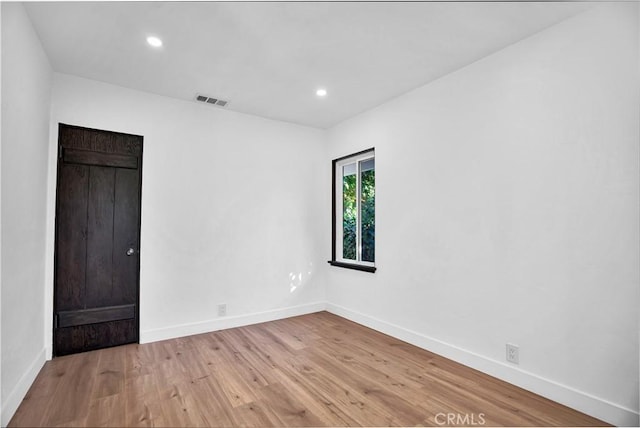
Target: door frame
[50, 349]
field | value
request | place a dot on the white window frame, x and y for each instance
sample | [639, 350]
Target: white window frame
[356, 158]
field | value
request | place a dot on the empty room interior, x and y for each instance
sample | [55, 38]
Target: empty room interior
[320, 214]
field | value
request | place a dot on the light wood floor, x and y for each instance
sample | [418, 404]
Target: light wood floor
[313, 370]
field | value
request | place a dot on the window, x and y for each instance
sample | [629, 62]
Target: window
[354, 216]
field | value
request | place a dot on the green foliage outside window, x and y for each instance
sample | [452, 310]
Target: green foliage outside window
[368, 204]
[350, 212]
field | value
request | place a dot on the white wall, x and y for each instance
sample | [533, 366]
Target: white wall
[1, 406]
[230, 211]
[26, 87]
[519, 223]
[507, 211]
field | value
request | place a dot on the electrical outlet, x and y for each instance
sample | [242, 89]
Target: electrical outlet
[222, 310]
[513, 353]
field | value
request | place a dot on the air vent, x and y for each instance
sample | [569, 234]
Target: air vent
[211, 100]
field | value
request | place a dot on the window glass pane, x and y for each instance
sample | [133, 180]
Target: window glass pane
[349, 212]
[368, 202]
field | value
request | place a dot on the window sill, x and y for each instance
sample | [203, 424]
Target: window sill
[370, 269]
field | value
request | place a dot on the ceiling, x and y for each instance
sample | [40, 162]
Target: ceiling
[268, 58]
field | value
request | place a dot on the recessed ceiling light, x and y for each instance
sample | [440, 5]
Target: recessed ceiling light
[321, 92]
[154, 41]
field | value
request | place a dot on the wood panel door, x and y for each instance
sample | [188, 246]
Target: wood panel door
[97, 264]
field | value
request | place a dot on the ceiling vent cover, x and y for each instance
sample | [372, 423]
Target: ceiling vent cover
[211, 100]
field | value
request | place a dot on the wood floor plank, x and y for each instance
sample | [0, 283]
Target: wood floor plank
[110, 373]
[215, 408]
[73, 392]
[142, 401]
[345, 402]
[40, 393]
[373, 395]
[179, 407]
[288, 408]
[234, 386]
[106, 411]
[255, 415]
[312, 370]
[253, 370]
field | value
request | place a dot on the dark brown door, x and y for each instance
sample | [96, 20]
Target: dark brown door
[97, 239]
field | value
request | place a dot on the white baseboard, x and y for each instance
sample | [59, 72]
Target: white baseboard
[581, 401]
[222, 323]
[12, 401]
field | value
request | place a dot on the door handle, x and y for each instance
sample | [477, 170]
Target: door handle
[131, 252]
